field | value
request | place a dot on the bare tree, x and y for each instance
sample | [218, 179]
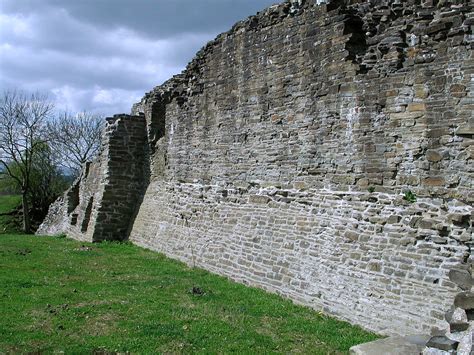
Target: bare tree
[22, 122]
[75, 139]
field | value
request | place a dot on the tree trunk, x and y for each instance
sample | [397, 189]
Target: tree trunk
[26, 213]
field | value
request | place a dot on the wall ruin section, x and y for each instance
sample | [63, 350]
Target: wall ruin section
[280, 158]
[103, 201]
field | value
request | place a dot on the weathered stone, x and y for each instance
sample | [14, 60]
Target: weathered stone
[462, 278]
[259, 199]
[442, 343]
[456, 315]
[465, 129]
[393, 219]
[458, 90]
[410, 345]
[352, 236]
[426, 224]
[421, 91]
[416, 106]
[415, 222]
[433, 156]
[438, 240]
[459, 218]
[458, 327]
[464, 300]
[434, 181]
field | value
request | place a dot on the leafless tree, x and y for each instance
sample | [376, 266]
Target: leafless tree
[22, 122]
[75, 139]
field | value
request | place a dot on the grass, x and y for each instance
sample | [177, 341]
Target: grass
[61, 295]
[8, 223]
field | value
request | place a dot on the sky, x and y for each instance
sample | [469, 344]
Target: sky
[101, 56]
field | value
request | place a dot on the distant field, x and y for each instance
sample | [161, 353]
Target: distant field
[61, 295]
[8, 203]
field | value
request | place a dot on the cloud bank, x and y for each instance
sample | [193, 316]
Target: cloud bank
[103, 55]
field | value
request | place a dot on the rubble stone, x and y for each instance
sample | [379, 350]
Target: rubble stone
[464, 300]
[442, 343]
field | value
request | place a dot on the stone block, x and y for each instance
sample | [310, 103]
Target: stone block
[462, 278]
[410, 345]
[458, 327]
[465, 129]
[415, 222]
[416, 106]
[464, 300]
[458, 90]
[259, 199]
[421, 91]
[427, 224]
[442, 343]
[434, 181]
[351, 236]
[433, 156]
[393, 219]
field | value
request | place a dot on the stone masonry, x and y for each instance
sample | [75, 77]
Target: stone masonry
[102, 202]
[320, 151]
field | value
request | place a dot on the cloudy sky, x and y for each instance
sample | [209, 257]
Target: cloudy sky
[103, 55]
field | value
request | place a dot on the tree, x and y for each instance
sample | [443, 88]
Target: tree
[22, 122]
[46, 183]
[75, 139]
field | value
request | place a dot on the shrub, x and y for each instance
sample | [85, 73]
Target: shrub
[409, 196]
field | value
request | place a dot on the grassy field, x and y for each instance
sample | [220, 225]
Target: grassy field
[57, 294]
[8, 224]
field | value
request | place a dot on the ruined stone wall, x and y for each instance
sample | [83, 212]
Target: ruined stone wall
[284, 150]
[102, 202]
[281, 157]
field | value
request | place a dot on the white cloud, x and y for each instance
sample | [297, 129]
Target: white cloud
[103, 97]
[16, 26]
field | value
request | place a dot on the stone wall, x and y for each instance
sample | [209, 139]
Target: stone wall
[102, 202]
[290, 152]
[275, 134]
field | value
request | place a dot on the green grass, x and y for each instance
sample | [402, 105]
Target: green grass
[57, 295]
[9, 224]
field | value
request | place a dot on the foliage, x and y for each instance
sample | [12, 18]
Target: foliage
[371, 189]
[9, 217]
[409, 196]
[38, 148]
[62, 295]
[46, 182]
[22, 120]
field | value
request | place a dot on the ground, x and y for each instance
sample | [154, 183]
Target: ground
[62, 295]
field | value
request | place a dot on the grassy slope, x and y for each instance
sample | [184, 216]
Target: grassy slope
[58, 294]
[7, 204]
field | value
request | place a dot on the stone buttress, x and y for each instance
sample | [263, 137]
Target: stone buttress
[102, 202]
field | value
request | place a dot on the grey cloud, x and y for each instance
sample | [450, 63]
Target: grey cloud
[102, 55]
[132, 70]
[155, 18]
[56, 30]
